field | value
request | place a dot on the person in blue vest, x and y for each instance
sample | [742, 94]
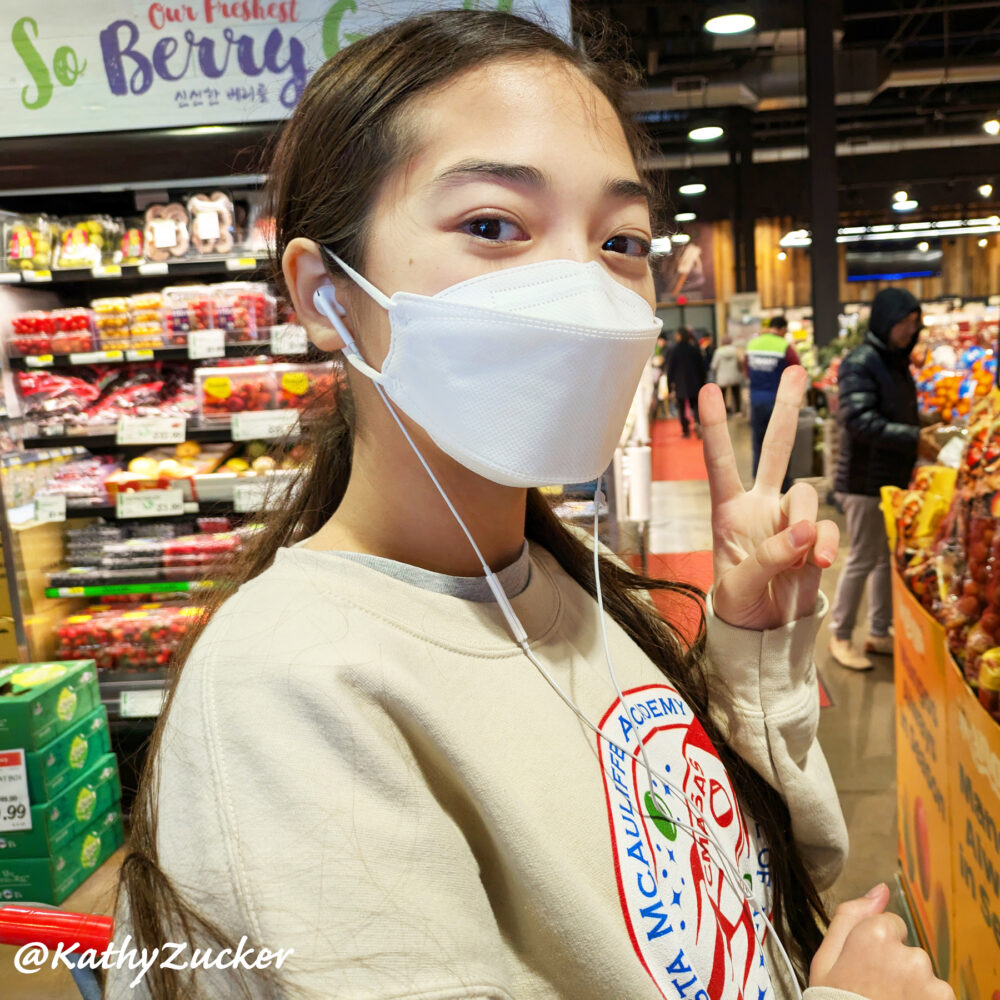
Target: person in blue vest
[767, 356]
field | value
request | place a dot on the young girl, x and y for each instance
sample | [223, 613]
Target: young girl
[411, 747]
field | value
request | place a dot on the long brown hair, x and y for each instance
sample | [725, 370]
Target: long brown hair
[345, 138]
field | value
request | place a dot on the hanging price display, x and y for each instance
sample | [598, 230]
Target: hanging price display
[150, 430]
[249, 497]
[264, 425]
[154, 267]
[289, 338]
[15, 807]
[50, 508]
[141, 704]
[150, 503]
[207, 343]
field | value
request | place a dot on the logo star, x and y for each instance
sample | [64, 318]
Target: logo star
[677, 899]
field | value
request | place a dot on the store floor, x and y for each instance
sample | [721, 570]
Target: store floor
[856, 731]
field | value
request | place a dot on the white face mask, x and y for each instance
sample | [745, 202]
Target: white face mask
[523, 375]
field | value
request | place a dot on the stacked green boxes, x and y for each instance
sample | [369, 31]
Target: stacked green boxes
[53, 712]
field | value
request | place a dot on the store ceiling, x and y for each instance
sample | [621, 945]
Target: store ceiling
[914, 80]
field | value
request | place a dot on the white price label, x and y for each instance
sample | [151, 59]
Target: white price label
[150, 430]
[10, 277]
[141, 704]
[36, 275]
[248, 497]
[141, 354]
[50, 508]
[241, 263]
[164, 233]
[106, 271]
[206, 343]
[289, 338]
[39, 361]
[15, 807]
[154, 267]
[206, 225]
[264, 425]
[150, 503]
[95, 357]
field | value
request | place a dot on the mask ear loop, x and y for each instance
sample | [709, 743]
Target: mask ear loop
[326, 303]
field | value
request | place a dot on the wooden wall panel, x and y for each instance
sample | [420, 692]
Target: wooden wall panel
[967, 270]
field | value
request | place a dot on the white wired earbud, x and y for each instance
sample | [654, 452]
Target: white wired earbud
[326, 303]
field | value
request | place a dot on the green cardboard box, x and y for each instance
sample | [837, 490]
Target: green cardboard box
[54, 824]
[60, 763]
[40, 701]
[51, 880]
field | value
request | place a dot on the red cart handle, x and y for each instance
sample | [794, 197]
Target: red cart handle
[26, 925]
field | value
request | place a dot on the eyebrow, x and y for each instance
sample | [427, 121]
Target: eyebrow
[527, 176]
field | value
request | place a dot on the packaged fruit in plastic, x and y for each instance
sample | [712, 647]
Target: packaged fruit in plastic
[132, 242]
[190, 307]
[224, 391]
[28, 243]
[257, 300]
[111, 321]
[146, 319]
[31, 332]
[989, 682]
[87, 242]
[234, 313]
[301, 385]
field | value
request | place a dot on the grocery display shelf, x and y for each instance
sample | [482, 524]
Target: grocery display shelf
[131, 696]
[120, 589]
[188, 268]
[205, 508]
[195, 432]
[29, 363]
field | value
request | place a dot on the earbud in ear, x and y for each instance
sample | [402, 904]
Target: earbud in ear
[325, 301]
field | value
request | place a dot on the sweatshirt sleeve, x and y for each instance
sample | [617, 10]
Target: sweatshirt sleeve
[765, 698]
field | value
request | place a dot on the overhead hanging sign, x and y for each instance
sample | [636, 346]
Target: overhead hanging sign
[113, 65]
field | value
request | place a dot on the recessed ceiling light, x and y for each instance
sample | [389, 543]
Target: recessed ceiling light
[905, 206]
[706, 133]
[692, 187]
[984, 242]
[994, 220]
[985, 190]
[923, 246]
[685, 217]
[681, 238]
[991, 127]
[901, 196]
[782, 255]
[730, 23]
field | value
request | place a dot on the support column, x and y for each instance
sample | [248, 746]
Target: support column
[821, 97]
[744, 208]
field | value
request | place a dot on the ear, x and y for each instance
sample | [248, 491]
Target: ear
[305, 275]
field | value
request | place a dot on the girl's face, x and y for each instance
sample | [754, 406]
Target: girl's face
[519, 161]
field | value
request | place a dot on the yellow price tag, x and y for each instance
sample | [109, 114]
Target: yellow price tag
[78, 619]
[133, 615]
[297, 383]
[75, 591]
[218, 386]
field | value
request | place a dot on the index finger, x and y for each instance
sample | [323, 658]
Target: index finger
[780, 436]
[720, 460]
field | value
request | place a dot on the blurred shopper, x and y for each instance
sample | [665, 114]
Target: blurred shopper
[880, 440]
[685, 377]
[767, 357]
[727, 373]
[658, 408]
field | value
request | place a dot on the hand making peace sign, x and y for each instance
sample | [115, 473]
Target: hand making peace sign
[768, 549]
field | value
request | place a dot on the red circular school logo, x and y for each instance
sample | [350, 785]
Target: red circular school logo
[687, 921]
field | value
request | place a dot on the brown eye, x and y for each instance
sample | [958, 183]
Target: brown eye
[494, 229]
[629, 246]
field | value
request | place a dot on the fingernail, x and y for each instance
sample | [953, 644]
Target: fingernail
[801, 533]
[875, 892]
[827, 556]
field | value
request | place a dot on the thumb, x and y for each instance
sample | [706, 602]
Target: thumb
[847, 917]
[773, 556]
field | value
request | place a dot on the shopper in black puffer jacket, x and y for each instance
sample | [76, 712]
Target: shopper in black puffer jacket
[880, 438]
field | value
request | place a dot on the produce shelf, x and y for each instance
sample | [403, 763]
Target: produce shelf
[119, 589]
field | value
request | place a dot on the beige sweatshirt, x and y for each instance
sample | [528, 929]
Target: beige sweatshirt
[374, 775]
